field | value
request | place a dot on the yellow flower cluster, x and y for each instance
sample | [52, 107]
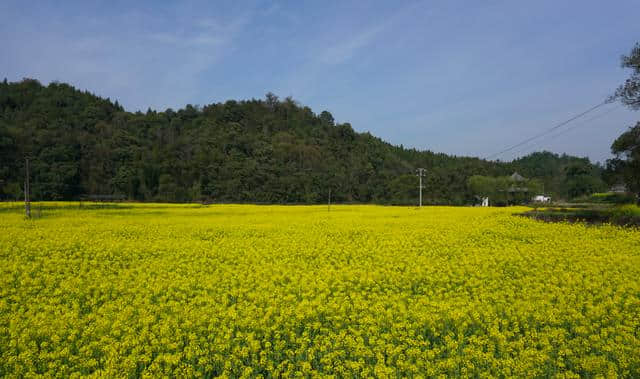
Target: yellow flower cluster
[297, 291]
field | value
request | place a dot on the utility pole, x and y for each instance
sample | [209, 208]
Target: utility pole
[420, 175]
[329, 204]
[27, 201]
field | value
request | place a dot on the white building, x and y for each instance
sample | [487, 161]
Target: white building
[542, 199]
[618, 188]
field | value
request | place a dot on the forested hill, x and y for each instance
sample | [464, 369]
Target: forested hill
[270, 150]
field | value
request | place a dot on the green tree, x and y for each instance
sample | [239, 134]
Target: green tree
[327, 118]
[495, 188]
[629, 92]
[580, 182]
[482, 186]
[167, 188]
[627, 146]
[627, 161]
[404, 190]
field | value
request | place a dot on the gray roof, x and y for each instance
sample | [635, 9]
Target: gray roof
[618, 188]
[517, 177]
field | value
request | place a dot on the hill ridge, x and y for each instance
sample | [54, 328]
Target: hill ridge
[260, 151]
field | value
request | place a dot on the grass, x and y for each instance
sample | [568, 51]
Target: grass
[623, 215]
[607, 198]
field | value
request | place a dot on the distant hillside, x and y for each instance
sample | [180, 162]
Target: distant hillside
[271, 150]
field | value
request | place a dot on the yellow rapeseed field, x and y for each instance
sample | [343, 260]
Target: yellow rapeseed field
[296, 291]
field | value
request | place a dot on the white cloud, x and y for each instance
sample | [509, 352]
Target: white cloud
[207, 32]
[143, 60]
[342, 52]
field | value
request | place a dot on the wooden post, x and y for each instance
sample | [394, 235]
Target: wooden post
[27, 201]
[420, 175]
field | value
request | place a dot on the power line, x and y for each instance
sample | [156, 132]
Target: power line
[556, 127]
[585, 122]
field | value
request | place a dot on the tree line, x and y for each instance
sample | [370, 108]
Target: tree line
[267, 150]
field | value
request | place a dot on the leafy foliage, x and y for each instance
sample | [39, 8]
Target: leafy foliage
[607, 198]
[626, 165]
[504, 190]
[627, 161]
[259, 151]
[629, 92]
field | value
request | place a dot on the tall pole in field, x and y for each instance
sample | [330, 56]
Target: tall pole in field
[420, 175]
[329, 203]
[27, 201]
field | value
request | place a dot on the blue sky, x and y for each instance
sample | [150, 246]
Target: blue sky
[464, 78]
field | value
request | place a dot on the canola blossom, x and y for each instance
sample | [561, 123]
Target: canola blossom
[139, 290]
